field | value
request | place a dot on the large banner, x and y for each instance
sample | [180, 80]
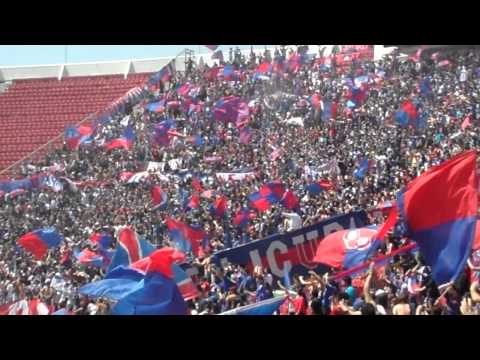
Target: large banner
[293, 250]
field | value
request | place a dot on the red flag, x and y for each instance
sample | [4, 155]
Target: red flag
[196, 184]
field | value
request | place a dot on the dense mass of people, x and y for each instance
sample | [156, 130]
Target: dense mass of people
[103, 201]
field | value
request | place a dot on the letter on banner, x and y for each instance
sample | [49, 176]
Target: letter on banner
[274, 246]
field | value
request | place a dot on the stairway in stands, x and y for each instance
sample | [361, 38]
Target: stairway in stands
[33, 112]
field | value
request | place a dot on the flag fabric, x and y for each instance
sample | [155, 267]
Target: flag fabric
[157, 107]
[146, 287]
[242, 218]
[268, 195]
[125, 141]
[75, 136]
[467, 122]
[39, 241]
[290, 200]
[159, 198]
[184, 282]
[263, 71]
[164, 74]
[89, 258]
[130, 248]
[265, 307]
[197, 185]
[161, 130]
[362, 169]
[319, 186]
[219, 207]
[212, 47]
[193, 203]
[329, 110]
[186, 238]
[407, 114]
[227, 108]
[197, 140]
[439, 210]
[356, 96]
[104, 240]
[245, 135]
[377, 261]
[345, 249]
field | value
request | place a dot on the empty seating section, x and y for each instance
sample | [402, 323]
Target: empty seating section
[32, 112]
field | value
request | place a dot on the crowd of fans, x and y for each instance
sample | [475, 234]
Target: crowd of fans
[105, 202]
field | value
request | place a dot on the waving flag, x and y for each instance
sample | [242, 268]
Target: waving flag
[193, 203]
[104, 240]
[89, 258]
[157, 107]
[329, 110]
[319, 186]
[407, 114]
[187, 238]
[197, 185]
[75, 136]
[184, 282]
[161, 130]
[159, 198]
[146, 287]
[265, 307]
[242, 218]
[346, 249]
[294, 63]
[219, 207]
[263, 71]
[212, 47]
[164, 74]
[245, 135]
[227, 109]
[440, 212]
[39, 241]
[268, 195]
[356, 96]
[130, 248]
[362, 170]
[125, 141]
[289, 200]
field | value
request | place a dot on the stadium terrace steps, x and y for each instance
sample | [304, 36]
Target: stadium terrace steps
[35, 111]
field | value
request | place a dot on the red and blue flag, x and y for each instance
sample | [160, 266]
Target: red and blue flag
[146, 287]
[319, 186]
[75, 136]
[130, 248]
[219, 207]
[125, 141]
[362, 169]
[439, 210]
[329, 110]
[346, 249]
[39, 241]
[104, 240]
[89, 258]
[186, 238]
[159, 198]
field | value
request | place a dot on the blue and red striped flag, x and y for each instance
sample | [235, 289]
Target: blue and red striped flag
[125, 141]
[319, 186]
[39, 241]
[346, 249]
[130, 248]
[103, 240]
[219, 207]
[187, 238]
[75, 136]
[290, 200]
[329, 110]
[159, 198]
[146, 287]
[439, 209]
[89, 258]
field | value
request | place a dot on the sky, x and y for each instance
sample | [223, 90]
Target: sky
[16, 55]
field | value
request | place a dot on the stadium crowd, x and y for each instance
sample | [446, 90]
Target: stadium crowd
[284, 121]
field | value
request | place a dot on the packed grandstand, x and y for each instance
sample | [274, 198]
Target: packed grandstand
[291, 180]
